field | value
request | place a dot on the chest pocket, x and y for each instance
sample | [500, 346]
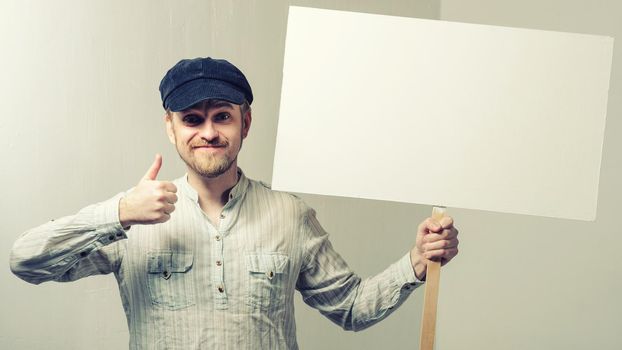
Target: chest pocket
[267, 278]
[170, 279]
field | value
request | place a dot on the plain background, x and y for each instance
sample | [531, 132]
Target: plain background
[82, 120]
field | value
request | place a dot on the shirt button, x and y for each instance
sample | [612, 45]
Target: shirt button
[221, 289]
[222, 216]
[218, 237]
[218, 263]
[270, 274]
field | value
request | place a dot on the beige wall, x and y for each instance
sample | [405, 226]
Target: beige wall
[534, 283]
[82, 122]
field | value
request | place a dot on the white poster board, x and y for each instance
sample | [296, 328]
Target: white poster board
[443, 113]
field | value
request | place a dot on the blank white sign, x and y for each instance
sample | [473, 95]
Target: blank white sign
[433, 112]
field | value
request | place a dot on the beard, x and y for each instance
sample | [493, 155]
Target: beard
[211, 166]
[208, 165]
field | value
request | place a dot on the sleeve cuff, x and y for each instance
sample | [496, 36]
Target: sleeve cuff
[407, 274]
[108, 214]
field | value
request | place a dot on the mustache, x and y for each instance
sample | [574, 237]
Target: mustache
[213, 143]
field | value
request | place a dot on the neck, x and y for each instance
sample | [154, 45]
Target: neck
[213, 192]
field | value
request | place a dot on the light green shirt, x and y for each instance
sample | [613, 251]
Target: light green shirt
[186, 284]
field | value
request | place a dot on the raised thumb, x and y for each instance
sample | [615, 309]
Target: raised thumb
[152, 173]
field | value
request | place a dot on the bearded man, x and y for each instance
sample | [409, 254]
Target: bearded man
[211, 260]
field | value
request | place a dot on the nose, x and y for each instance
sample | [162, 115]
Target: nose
[209, 132]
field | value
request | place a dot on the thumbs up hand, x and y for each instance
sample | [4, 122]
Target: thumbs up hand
[150, 202]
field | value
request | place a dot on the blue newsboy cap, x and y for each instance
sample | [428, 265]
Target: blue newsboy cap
[193, 80]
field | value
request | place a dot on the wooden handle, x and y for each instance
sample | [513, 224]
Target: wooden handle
[430, 298]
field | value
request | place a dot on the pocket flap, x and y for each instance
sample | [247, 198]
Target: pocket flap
[158, 262]
[267, 262]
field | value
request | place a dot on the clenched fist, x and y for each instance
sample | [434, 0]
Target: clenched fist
[150, 202]
[437, 241]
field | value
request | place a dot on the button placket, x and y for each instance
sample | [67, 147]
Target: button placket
[220, 290]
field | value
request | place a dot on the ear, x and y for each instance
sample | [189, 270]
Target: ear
[248, 118]
[170, 131]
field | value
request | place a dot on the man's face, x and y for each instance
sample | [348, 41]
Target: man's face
[208, 135]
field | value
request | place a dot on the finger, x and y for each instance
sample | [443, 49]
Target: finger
[447, 222]
[429, 225]
[152, 173]
[443, 244]
[451, 233]
[169, 208]
[169, 186]
[449, 255]
[171, 198]
[439, 254]
[163, 218]
[434, 237]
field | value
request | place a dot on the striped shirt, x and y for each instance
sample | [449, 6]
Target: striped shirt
[186, 284]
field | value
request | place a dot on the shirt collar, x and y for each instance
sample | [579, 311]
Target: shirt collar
[236, 192]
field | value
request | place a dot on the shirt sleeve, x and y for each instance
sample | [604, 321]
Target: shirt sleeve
[71, 247]
[329, 285]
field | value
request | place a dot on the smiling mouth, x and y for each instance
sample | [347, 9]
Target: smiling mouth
[210, 145]
[209, 148]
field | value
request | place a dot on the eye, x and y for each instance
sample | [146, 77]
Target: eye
[224, 116]
[192, 119]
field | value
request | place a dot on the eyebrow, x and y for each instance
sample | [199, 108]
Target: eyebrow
[219, 103]
[210, 104]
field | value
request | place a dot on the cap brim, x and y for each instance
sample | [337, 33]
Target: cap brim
[198, 90]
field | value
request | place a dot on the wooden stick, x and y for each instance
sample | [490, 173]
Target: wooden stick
[430, 298]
